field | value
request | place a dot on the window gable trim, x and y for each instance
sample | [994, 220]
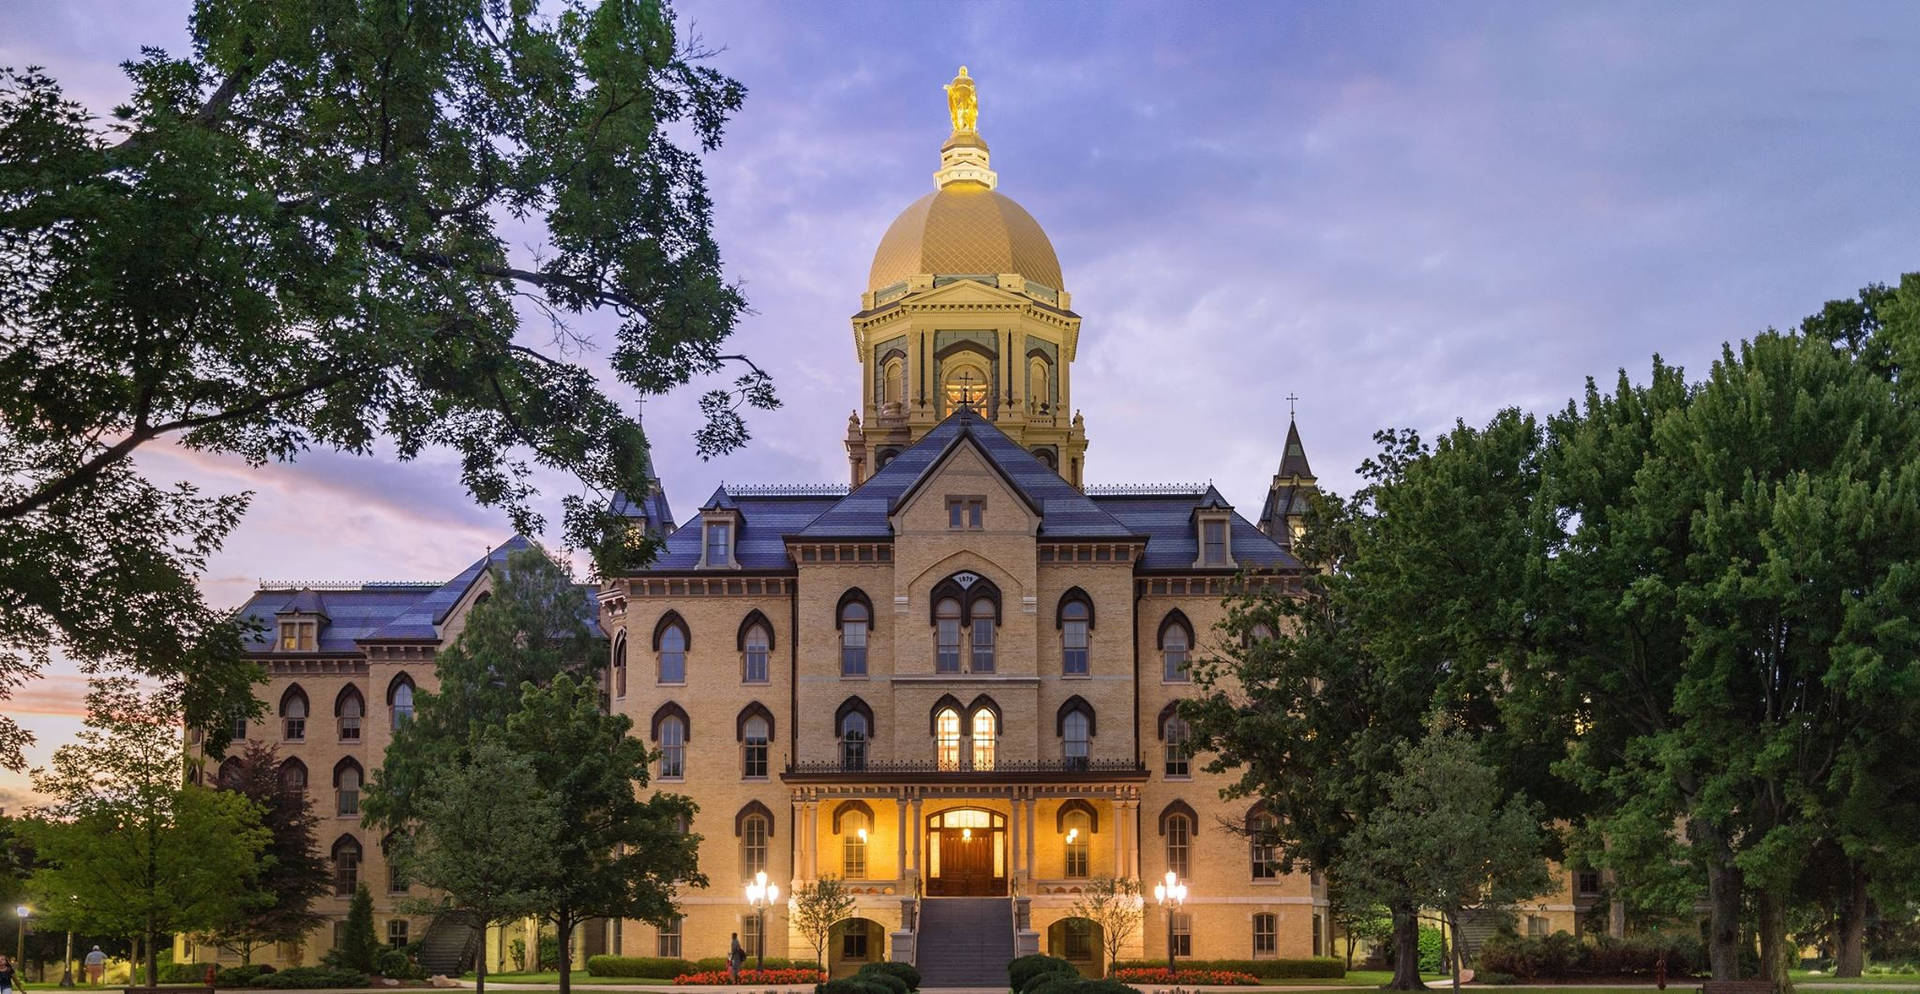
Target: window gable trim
[854, 705]
[1175, 618]
[1069, 706]
[1074, 595]
[1179, 809]
[854, 595]
[750, 809]
[1077, 806]
[754, 709]
[754, 617]
[670, 710]
[851, 807]
[669, 620]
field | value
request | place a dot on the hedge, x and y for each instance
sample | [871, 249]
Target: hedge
[656, 967]
[1316, 968]
[241, 976]
[851, 985]
[312, 977]
[1025, 968]
[1559, 956]
[906, 972]
[706, 963]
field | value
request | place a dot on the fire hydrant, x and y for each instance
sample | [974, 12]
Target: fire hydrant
[1660, 972]
[210, 972]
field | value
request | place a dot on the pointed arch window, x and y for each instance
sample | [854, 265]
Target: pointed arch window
[1176, 735]
[293, 714]
[1176, 646]
[293, 776]
[754, 826]
[985, 736]
[854, 822]
[946, 739]
[346, 865]
[348, 709]
[983, 625]
[756, 648]
[1264, 856]
[854, 618]
[400, 700]
[946, 641]
[1177, 827]
[854, 726]
[1078, 841]
[230, 775]
[756, 734]
[1075, 622]
[620, 667]
[670, 641]
[670, 732]
[346, 787]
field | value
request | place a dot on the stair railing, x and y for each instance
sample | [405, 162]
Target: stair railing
[918, 897]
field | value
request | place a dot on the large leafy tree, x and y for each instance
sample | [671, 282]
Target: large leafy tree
[138, 849]
[292, 871]
[304, 232]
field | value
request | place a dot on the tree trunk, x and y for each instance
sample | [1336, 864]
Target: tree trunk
[1349, 950]
[1850, 932]
[1775, 953]
[1456, 962]
[1723, 899]
[480, 964]
[563, 926]
[1406, 951]
[153, 957]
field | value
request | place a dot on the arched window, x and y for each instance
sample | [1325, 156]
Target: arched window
[397, 882]
[983, 624]
[1263, 855]
[1037, 391]
[1176, 642]
[755, 732]
[754, 825]
[1046, 458]
[1075, 621]
[946, 739]
[893, 383]
[946, 640]
[854, 618]
[1074, 739]
[348, 708]
[400, 700]
[230, 774]
[756, 646]
[293, 713]
[620, 667]
[293, 776]
[346, 865]
[1178, 828]
[967, 380]
[670, 641]
[1078, 842]
[853, 724]
[1266, 934]
[984, 734]
[346, 787]
[671, 731]
[1176, 734]
[854, 825]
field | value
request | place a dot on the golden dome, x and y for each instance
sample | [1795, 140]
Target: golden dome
[964, 229]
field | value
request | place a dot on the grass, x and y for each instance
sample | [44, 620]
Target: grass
[579, 978]
[1827, 981]
[1354, 978]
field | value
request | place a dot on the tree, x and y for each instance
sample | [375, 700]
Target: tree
[1357, 918]
[140, 852]
[817, 908]
[359, 947]
[1115, 905]
[486, 837]
[1449, 838]
[296, 235]
[292, 871]
[619, 855]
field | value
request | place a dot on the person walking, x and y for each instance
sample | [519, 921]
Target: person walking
[8, 982]
[96, 966]
[736, 957]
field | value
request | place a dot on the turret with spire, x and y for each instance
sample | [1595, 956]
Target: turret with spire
[1284, 515]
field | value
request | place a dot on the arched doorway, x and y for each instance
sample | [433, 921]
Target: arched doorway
[966, 853]
[1078, 941]
[854, 943]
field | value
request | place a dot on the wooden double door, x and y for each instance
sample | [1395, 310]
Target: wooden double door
[970, 858]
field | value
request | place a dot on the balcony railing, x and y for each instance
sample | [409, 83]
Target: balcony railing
[1077, 768]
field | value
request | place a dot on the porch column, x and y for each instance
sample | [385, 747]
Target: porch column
[1013, 843]
[919, 837]
[809, 839]
[1122, 839]
[1130, 817]
[1029, 831]
[900, 837]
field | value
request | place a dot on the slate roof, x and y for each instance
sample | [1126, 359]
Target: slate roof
[1064, 511]
[765, 520]
[652, 506]
[1173, 543]
[382, 612]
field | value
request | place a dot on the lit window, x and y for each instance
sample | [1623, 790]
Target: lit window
[853, 639]
[853, 845]
[754, 762]
[299, 636]
[753, 845]
[1179, 843]
[983, 739]
[1183, 933]
[1073, 639]
[853, 741]
[673, 748]
[1266, 934]
[966, 387]
[1177, 762]
[669, 945]
[1078, 843]
[673, 655]
[756, 654]
[946, 658]
[1214, 535]
[719, 543]
[983, 625]
[946, 738]
[1073, 743]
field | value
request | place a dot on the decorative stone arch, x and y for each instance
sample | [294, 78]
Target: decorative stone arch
[617, 659]
[1074, 595]
[670, 620]
[291, 774]
[343, 766]
[670, 710]
[752, 710]
[348, 693]
[980, 703]
[754, 617]
[1077, 806]
[852, 807]
[1255, 814]
[293, 693]
[967, 594]
[1179, 808]
[947, 702]
[854, 595]
[748, 810]
[1168, 713]
[346, 841]
[229, 774]
[1069, 706]
[400, 679]
[1175, 618]
[853, 705]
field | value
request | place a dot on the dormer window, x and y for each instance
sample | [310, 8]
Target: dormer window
[299, 635]
[1213, 528]
[1213, 539]
[719, 543]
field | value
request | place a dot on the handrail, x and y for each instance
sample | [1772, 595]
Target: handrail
[917, 898]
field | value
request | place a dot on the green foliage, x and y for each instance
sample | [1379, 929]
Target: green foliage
[302, 231]
[183, 973]
[852, 985]
[1024, 968]
[395, 964]
[904, 971]
[817, 907]
[1114, 904]
[295, 978]
[248, 975]
[359, 948]
[887, 981]
[655, 967]
[708, 963]
[1313, 968]
[292, 872]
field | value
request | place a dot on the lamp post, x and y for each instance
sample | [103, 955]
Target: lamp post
[760, 894]
[66, 964]
[1170, 894]
[20, 939]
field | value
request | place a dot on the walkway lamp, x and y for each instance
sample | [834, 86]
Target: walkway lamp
[20, 939]
[760, 895]
[1170, 894]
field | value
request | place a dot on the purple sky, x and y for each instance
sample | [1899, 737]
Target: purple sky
[1405, 214]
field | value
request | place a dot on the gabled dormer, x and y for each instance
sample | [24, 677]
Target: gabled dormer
[1213, 531]
[720, 522]
[299, 622]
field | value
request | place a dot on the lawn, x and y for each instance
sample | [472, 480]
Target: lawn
[580, 978]
[1827, 981]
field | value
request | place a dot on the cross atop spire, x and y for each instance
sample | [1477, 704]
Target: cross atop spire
[1290, 400]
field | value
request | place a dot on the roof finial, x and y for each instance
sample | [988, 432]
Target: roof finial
[963, 105]
[963, 157]
[1290, 399]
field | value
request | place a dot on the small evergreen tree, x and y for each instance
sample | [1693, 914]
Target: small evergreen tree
[359, 947]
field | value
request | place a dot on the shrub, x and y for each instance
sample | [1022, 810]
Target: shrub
[905, 971]
[706, 964]
[312, 978]
[1102, 987]
[659, 967]
[1035, 981]
[1495, 979]
[850, 985]
[1023, 969]
[1555, 956]
[1318, 967]
[182, 973]
[886, 980]
[713, 978]
[1054, 983]
[241, 976]
[395, 964]
[1184, 975]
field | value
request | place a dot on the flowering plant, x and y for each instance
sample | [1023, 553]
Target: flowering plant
[1162, 975]
[715, 978]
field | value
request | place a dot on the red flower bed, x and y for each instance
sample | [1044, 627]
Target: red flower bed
[1162, 975]
[709, 978]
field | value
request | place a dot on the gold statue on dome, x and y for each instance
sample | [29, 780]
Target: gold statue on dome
[962, 104]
